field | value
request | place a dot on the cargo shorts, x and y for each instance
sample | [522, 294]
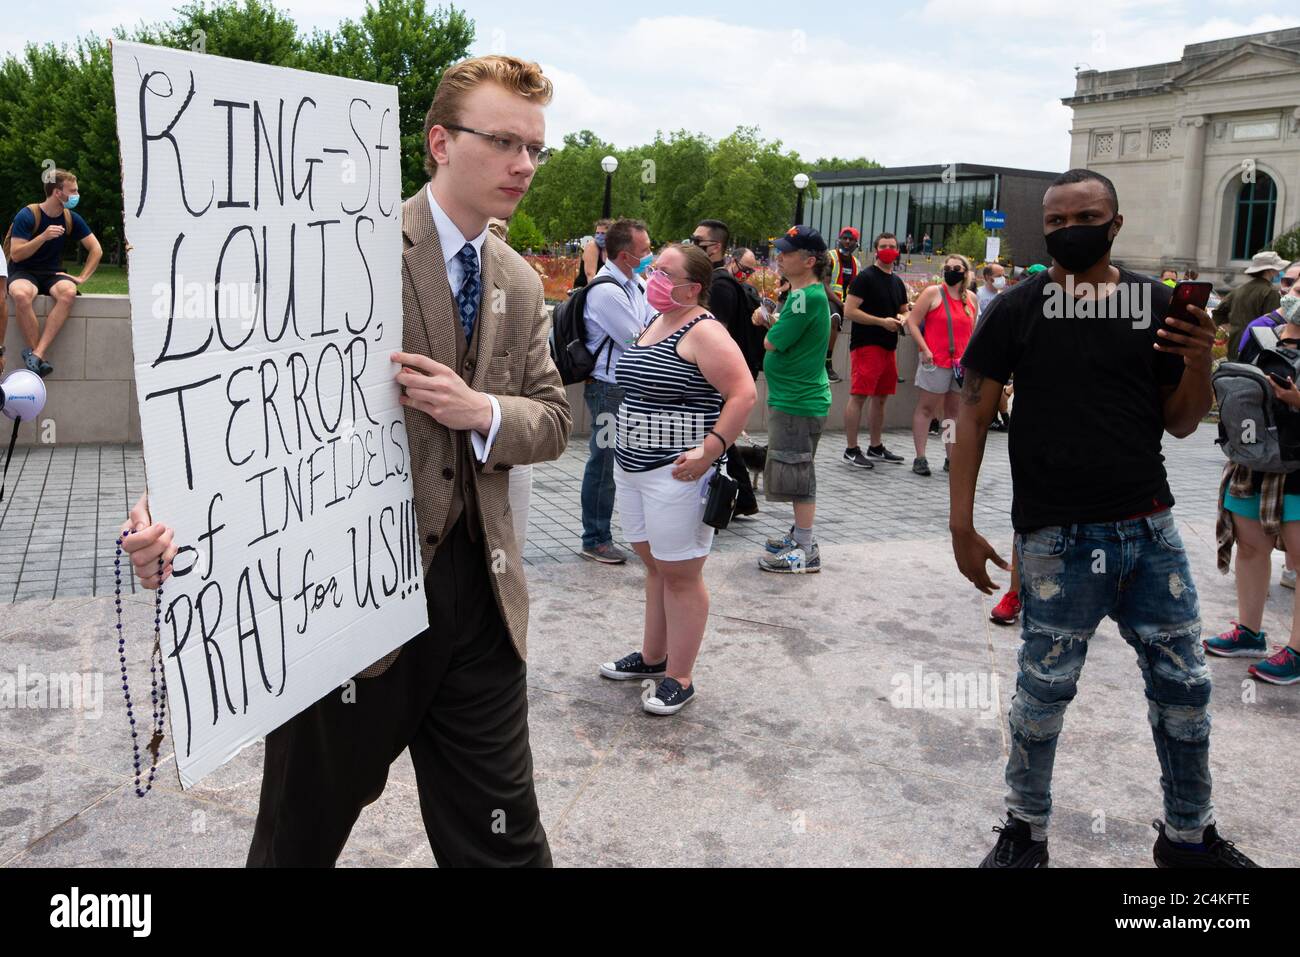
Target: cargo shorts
[792, 440]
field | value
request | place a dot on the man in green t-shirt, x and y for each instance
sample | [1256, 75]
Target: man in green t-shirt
[798, 397]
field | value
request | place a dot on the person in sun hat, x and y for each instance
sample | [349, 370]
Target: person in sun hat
[1257, 296]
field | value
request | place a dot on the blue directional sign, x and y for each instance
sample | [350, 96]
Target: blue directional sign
[995, 219]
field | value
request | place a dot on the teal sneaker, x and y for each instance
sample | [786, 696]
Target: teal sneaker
[793, 561]
[1281, 669]
[1239, 642]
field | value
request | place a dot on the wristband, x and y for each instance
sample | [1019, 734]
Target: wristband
[725, 444]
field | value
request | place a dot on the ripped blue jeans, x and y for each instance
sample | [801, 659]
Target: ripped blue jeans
[1136, 572]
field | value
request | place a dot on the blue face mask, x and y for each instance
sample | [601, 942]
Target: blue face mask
[600, 240]
[71, 201]
[644, 264]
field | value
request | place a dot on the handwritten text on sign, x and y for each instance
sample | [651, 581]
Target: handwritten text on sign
[263, 217]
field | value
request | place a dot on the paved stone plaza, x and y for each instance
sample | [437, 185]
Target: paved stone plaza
[794, 753]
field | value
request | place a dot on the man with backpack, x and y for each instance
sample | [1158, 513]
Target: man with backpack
[614, 309]
[34, 246]
[732, 302]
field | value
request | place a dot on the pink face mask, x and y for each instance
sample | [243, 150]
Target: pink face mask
[659, 292]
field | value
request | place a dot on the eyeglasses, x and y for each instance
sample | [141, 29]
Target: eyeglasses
[746, 271]
[508, 145]
[701, 241]
[672, 279]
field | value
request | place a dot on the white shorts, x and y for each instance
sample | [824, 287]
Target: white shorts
[654, 507]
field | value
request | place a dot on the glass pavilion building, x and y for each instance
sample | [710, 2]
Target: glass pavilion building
[916, 200]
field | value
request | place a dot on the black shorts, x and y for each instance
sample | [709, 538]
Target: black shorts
[43, 281]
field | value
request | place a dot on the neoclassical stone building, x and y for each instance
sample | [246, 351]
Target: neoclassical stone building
[1204, 151]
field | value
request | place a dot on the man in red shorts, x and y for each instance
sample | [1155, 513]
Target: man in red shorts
[876, 305]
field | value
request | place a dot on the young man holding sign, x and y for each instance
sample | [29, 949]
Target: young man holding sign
[481, 396]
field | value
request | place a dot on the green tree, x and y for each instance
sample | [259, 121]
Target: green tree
[969, 241]
[398, 42]
[678, 171]
[749, 185]
[1287, 244]
[57, 104]
[835, 164]
[252, 30]
[524, 233]
[566, 194]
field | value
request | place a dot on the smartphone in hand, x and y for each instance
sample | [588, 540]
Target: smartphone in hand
[1188, 294]
[1281, 383]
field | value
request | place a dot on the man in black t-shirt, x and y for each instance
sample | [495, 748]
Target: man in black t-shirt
[41, 235]
[1100, 375]
[730, 304]
[876, 306]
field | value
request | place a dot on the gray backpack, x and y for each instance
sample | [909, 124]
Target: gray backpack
[1255, 429]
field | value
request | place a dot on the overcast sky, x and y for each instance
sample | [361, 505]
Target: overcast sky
[927, 82]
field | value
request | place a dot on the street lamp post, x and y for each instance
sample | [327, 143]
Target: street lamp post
[608, 164]
[800, 183]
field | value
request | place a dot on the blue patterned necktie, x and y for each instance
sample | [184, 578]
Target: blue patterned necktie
[467, 298]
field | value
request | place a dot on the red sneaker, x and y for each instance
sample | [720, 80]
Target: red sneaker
[1007, 610]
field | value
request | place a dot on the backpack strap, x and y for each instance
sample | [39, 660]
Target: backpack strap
[607, 344]
[947, 311]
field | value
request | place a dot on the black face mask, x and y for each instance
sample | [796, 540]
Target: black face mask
[954, 277]
[1078, 248]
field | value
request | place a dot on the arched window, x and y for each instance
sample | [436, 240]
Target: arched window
[1256, 208]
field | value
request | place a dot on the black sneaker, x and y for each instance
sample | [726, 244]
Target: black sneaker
[669, 698]
[633, 666]
[1214, 852]
[946, 464]
[920, 466]
[934, 427]
[878, 453]
[831, 374]
[855, 458]
[1015, 848]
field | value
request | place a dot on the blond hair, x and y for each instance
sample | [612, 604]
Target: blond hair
[56, 178]
[520, 77]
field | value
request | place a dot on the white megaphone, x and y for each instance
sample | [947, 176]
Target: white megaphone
[22, 397]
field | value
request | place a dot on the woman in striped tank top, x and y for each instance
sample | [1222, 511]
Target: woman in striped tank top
[687, 395]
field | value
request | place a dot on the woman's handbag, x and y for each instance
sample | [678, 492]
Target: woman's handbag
[721, 500]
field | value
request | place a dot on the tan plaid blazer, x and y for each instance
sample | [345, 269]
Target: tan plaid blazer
[512, 361]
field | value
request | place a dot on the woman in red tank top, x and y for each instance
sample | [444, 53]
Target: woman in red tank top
[938, 368]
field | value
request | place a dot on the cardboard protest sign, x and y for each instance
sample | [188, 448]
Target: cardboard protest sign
[263, 227]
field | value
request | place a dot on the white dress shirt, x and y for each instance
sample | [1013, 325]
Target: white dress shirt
[619, 314]
[453, 241]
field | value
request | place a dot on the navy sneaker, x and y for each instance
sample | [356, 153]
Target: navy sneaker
[669, 698]
[1213, 851]
[633, 666]
[1015, 847]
